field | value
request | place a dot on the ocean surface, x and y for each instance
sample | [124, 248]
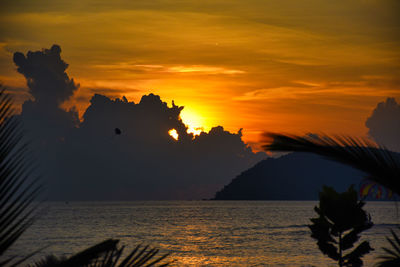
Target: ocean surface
[198, 233]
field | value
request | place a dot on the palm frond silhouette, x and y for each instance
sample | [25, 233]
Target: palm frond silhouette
[391, 258]
[108, 254]
[380, 164]
[18, 189]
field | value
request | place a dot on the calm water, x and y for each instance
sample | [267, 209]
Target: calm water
[198, 233]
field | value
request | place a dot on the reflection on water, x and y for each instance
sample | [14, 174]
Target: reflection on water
[198, 233]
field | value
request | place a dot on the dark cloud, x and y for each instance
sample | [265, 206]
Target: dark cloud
[50, 86]
[45, 75]
[86, 160]
[144, 162]
[384, 124]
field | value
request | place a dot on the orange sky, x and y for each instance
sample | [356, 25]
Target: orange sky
[279, 65]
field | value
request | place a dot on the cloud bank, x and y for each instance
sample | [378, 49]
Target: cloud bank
[384, 124]
[87, 160]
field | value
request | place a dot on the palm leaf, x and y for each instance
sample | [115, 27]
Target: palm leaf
[107, 254]
[380, 164]
[17, 189]
[392, 255]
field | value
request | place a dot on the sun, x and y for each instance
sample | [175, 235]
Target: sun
[174, 134]
[193, 121]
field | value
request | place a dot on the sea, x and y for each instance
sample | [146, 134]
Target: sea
[198, 233]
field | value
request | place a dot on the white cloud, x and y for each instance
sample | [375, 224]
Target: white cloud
[384, 124]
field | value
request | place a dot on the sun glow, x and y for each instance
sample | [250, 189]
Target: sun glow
[174, 134]
[195, 131]
[193, 121]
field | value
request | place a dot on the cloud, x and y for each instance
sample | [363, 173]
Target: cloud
[335, 45]
[384, 124]
[109, 90]
[145, 162]
[45, 74]
[282, 92]
[203, 69]
[142, 68]
[86, 160]
[50, 86]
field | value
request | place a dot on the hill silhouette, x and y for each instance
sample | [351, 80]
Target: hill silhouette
[295, 176]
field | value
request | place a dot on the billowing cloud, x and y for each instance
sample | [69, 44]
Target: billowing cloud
[86, 159]
[45, 75]
[384, 124]
[50, 86]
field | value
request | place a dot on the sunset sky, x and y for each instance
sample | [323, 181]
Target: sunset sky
[273, 65]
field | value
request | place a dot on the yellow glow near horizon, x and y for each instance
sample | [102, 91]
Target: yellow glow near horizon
[174, 134]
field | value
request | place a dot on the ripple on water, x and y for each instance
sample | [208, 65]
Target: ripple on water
[203, 233]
